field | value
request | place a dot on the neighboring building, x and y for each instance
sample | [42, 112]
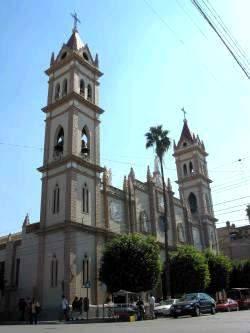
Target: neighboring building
[234, 241]
[80, 209]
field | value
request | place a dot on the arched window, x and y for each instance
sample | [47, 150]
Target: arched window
[144, 222]
[54, 272]
[184, 170]
[82, 88]
[65, 87]
[89, 95]
[85, 56]
[63, 56]
[161, 223]
[59, 144]
[191, 169]
[57, 91]
[180, 233]
[192, 203]
[85, 142]
[56, 200]
[85, 270]
[208, 203]
[85, 199]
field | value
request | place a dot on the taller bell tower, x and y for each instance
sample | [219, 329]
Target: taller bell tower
[72, 147]
[194, 187]
[70, 200]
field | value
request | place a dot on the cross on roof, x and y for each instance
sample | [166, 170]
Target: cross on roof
[184, 113]
[76, 20]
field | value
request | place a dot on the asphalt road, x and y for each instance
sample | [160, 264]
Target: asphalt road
[237, 322]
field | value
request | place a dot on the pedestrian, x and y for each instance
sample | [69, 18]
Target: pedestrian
[22, 308]
[140, 308]
[65, 308]
[29, 309]
[152, 306]
[80, 305]
[75, 304]
[35, 309]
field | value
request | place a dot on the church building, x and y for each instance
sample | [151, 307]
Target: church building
[81, 209]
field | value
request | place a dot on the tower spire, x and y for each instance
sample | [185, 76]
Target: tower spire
[76, 20]
[184, 114]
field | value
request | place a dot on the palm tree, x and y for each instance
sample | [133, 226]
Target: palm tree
[248, 212]
[159, 140]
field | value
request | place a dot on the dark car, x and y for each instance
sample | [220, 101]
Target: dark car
[194, 304]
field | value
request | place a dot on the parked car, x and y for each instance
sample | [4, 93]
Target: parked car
[193, 304]
[227, 305]
[240, 295]
[164, 307]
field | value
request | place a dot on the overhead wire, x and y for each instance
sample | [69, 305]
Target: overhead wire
[222, 37]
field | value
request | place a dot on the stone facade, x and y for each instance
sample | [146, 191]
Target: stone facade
[234, 242]
[81, 209]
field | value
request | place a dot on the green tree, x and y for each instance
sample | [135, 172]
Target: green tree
[189, 270]
[131, 262]
[158, 139]
[248, 212]
[240, 275]
[2, 281]
[220, 268]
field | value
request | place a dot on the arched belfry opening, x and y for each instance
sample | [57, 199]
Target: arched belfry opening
[59, 144]
[57, 91]
[85, 146]
[184, 170]
[65, 87]
[82, 88]
[89, 93]
[192, 203]
[191, 168]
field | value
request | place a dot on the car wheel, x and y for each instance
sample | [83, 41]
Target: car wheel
[237, 309]
[213, 311]
[197, 311]
[175, 316]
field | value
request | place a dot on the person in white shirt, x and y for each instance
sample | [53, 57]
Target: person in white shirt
[65, 307]
[152, 306]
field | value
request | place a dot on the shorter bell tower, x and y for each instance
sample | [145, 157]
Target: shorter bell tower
[194, 187]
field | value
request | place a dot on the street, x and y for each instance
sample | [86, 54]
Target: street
[237, 322]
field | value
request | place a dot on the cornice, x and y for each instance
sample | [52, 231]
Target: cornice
[209, 217]
[76, 225]
[187, 179]
[115, 192]
[67, 98]
[71, 158]
[182, 151]
[68, 59]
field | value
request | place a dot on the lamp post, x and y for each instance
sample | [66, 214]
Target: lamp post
[86, 284]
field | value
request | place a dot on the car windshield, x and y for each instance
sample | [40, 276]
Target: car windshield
[189, 297]
[167, 302]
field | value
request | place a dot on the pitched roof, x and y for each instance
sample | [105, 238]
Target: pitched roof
[186, 134]
[75, 42]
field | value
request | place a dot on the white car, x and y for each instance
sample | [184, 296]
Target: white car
[163, 308]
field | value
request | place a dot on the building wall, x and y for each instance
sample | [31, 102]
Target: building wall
[234, 242]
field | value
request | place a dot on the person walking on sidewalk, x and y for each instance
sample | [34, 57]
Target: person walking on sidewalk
[65, 308]
[152, 306]
[140, 309]
[35, 309]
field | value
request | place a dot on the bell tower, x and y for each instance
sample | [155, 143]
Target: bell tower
[194, 187]
[71, 183]
[72, 153]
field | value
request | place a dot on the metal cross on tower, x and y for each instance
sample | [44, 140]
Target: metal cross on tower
[184, 113]
[76, 20]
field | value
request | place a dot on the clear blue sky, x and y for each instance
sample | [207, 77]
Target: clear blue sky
[151, 70]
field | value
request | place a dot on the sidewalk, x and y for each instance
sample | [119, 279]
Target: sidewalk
[57, 322]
